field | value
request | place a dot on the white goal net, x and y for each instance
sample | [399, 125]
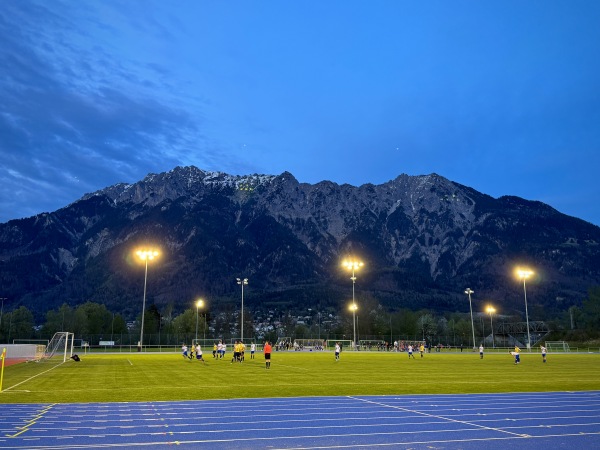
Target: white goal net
[557, 346]
[59, 347]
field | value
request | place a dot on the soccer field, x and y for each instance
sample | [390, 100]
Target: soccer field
[158, 377]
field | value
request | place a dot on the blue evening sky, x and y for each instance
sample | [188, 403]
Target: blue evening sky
[502, 96]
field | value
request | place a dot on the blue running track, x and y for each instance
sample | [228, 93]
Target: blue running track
[475, 421]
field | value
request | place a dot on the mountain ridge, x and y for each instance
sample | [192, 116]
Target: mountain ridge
[414, 231]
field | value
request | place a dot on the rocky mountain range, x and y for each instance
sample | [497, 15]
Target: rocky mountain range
[423, 240]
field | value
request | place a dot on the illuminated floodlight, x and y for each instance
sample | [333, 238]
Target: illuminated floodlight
[145, 255]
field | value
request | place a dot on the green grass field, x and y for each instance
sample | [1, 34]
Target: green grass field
[162, 377]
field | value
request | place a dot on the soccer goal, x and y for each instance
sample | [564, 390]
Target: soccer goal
[283, 343]
[59, 346]
[372, 345]
[308, 344]
[345, 344]
[557, 346]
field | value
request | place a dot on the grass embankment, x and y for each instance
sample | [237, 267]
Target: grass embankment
[158, 377]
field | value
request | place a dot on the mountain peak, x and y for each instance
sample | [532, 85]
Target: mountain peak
[423, 238]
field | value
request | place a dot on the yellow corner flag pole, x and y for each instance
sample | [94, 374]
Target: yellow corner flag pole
[2, 372]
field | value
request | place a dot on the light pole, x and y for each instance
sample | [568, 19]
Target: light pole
[145, 255]
[242, 283]
[491, 310]
[353, 308]
[2, 312]
[199, 304]
[468, 291]
[353, 265]
[524, 274]
[319, 318]
[204, 327]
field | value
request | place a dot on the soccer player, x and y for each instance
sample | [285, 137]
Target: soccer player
[337, 351]
[517, 355]
[421, 349]
[184, 351]
[481, 351]
[410, 352]
[215, 350]
[543, 349]
[252, 350]
[192, 351]
[199, 354]
[267, 352]
[236, 352]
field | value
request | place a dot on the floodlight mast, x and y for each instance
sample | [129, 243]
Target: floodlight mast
[199, 304]
[353, 265]
[524, 274]
[145, 255]
[242, 283]
[469, 291]
[491, 310]
[2, 311]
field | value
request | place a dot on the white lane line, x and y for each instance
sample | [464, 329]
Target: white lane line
[174, 437]
[506, 406]
[404, 444]
[380, 430]
[370, 445]
[439, 417]
[386, 418]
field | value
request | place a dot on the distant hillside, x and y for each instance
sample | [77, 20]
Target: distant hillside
[423, 240]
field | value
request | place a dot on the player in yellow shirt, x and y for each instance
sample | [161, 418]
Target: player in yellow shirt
[517, 355]
[236, 352]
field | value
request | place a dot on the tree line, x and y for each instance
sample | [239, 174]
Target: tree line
[578, 323]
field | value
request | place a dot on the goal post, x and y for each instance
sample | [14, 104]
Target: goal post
[345, 344]
[557, 346]
[59, 346]
[308, 344]
[373, 344]
[283, 343]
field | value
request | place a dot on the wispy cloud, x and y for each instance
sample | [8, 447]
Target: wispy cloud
[492, 96]
[75, 118]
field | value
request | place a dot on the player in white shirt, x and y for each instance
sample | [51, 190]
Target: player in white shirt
[199, 354]
[543, 350]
